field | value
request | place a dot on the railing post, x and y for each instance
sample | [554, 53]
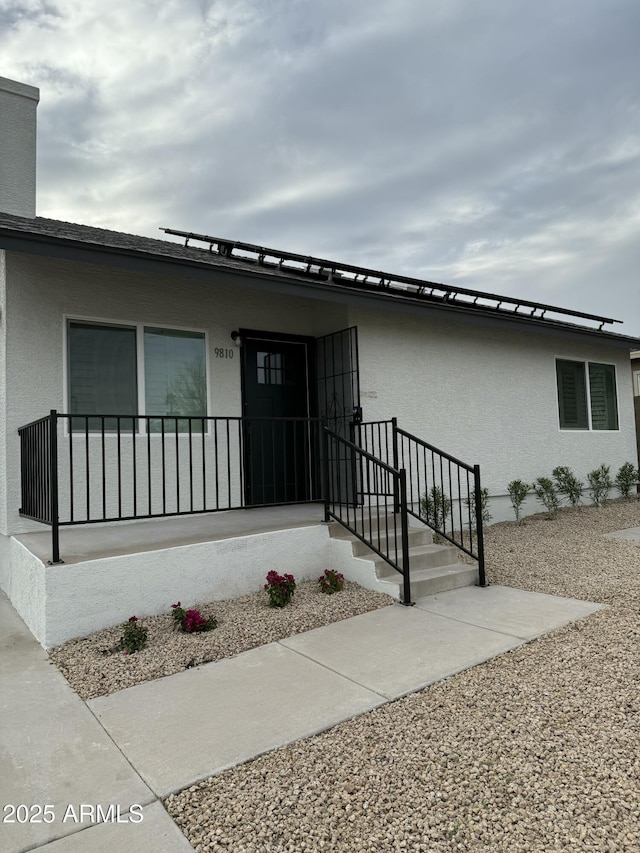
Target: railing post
[53, 487]
[394, 463]
[482, 581]
[325, 469]
[404, 523]
[353, 466]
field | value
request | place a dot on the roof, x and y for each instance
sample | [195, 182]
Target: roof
[49, 236]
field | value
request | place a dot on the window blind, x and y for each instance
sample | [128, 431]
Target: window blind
[572, 397]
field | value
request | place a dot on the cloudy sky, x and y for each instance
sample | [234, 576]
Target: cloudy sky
[494, 144]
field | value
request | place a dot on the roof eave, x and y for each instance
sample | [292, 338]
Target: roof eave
[67, 248]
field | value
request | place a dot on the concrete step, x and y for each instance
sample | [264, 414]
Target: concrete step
[431, 581]
[420, 557]
[434, 567]
[383, 523]
[387, 541]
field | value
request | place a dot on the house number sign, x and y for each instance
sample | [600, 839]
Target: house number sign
[223, 352]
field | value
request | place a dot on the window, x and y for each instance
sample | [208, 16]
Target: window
[109, 366]
[587, 395]
[270, 368]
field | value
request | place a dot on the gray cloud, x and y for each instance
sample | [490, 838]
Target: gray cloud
[495, 147]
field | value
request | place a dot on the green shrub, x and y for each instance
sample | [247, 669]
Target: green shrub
[331, 581]
[626, 479]
[280, 589]
[435, 506]
[518, 493]
[484, 506]
[600, 484]
[134, 637]
[546, 492]
[568, 484]
[191, 621]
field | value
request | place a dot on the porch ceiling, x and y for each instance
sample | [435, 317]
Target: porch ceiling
[93, 542]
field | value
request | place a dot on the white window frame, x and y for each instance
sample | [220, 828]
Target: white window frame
[140, 379]
[586, 362]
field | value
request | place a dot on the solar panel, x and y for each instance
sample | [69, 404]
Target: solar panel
[307, 266]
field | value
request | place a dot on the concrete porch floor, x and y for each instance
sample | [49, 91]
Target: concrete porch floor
[95, 541]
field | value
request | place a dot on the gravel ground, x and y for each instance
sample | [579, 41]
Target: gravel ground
[537, 750]
[94, 667]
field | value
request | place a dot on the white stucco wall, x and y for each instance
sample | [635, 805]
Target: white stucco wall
[43, 292]
[487, 395]
[3, 397]
[18, 104]
[61, 602]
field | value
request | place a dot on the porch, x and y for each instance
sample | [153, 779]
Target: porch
[146, 510]
[100, 541]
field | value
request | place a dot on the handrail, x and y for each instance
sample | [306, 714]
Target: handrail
[448, 499]
[432, 447]
[354, 498]
[39, 476]
[443, 492]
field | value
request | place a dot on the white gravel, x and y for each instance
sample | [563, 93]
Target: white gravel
[94, 667]
[537, 750]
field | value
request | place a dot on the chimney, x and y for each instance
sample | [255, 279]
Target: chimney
[18, 103]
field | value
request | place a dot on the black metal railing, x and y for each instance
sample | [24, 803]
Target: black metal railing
[443, 492]
[39, 476]
[368, 497]
[87, 469]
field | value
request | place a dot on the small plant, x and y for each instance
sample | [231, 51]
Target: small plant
[626, 479]
[134, 637]
[484, 506]
[435, 506]
[331, 581]
[600, 484]
[568, 484]
[280, 589]
[518, 493]
[191, 621]
[546, 492]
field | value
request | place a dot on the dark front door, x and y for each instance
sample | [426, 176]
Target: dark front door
[277, 429]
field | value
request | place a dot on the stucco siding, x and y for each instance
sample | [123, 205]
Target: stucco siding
[18, 104]
[42, 293]
[3, 393]
[487, 394]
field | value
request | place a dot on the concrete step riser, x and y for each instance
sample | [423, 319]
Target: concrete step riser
[435, 584]
[444, 583]
[432, 560]
[416, 538]
[338, 531]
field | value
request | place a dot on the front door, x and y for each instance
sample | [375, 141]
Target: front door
[277, 433]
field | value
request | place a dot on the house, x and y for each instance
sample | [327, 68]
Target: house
[151, 386]
[635, 376]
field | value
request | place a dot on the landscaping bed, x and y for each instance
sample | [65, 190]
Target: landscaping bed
[95, 666]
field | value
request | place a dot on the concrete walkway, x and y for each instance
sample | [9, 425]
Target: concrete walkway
[631, 534]
[134, 747]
